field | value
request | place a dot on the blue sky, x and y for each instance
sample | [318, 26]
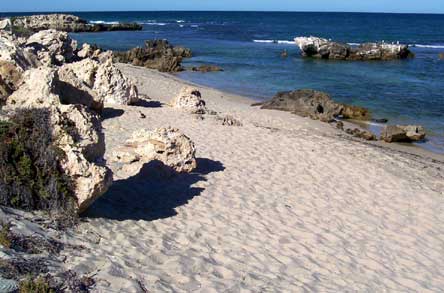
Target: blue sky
[420, 6]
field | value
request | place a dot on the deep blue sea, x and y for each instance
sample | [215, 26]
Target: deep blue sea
[405, 92]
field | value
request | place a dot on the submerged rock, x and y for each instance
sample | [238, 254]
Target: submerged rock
[66, 23]
[322, 48]
[207, 68]
[314, 104]
[168, 145]
[190, 100]
[401, 133]
[157, 54]
[441, 56]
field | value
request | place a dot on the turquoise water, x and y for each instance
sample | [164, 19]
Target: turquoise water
[405, 92]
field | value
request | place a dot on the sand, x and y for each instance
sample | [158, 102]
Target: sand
[280, 204]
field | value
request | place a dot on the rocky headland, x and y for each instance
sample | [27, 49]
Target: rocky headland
[61, 22]
[325, 49]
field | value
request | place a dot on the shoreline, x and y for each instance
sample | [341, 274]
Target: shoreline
[406, 148]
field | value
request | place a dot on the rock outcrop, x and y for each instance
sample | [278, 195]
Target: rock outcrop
[189, 100]
[10, 79]
[66, 23]
[157, 54]
[401, 133]
[169, 146]
[326, 49]
[314, 104]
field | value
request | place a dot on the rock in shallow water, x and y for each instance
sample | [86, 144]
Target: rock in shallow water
[322, 48]
[401, 133]
[314, 104]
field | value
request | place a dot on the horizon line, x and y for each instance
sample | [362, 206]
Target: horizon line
[247, 11]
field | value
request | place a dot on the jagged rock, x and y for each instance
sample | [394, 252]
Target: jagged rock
[207, 68]
[167, 145]
[89, 51]
[52, 47]
[361, 133]
[11, 51]
[157, 54]
[67, 23]
[78, 134]
[5, 24]
[113, 86]
[37, 91]
[400, 133]
[190, 100]
[314, 104]
[322, 48]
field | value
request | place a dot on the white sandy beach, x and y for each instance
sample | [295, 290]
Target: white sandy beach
[280, 204]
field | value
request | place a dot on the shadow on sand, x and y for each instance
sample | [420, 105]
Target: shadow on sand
[148, 104]
[150, 195]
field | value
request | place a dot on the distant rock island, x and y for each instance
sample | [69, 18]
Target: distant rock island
[62, 22]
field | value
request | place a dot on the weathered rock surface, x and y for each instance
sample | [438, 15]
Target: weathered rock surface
[11, 51]
[67, 23]
[229, 120]
[52, 47]
[157, 54]
[314, 104]
[189, 100]
[10, 79]
[326, 49]
[207, 68]
[167, 145]
[401, 133]
[78, 133]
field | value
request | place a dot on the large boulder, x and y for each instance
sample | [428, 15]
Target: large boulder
[157, 54]
[314, 104]
[113, 86]
[66, 23]
[189, 100]
[322, 48]
[167, 145]
[78, 134]
[11, 51]
[401, 133]
[52, 47]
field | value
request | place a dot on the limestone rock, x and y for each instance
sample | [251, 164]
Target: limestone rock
[78, 134]
[314, 104]
[52, 47]
[361, 133]
[400, 133]
[113, 86]
[167, 145]
[229, 120]
[10, 79]
[12, 52]
[38, 89]
[190, 100]
[322, 48]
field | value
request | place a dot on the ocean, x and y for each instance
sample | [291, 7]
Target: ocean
[248, 45]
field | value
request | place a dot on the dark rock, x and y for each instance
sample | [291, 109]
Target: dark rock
[157, 54]
[284, 54]
[340, 125]
[379, 120]
[314, 104]
[400, 133]
[326, 49]
[361, 133]
[207, 68]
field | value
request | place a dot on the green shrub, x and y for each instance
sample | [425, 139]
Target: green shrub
[30, 174]
[39, 285]
[5, 237]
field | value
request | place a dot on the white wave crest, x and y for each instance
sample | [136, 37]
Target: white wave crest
[180, 21]
[103, 22]
[275, 41]
[428, 46]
